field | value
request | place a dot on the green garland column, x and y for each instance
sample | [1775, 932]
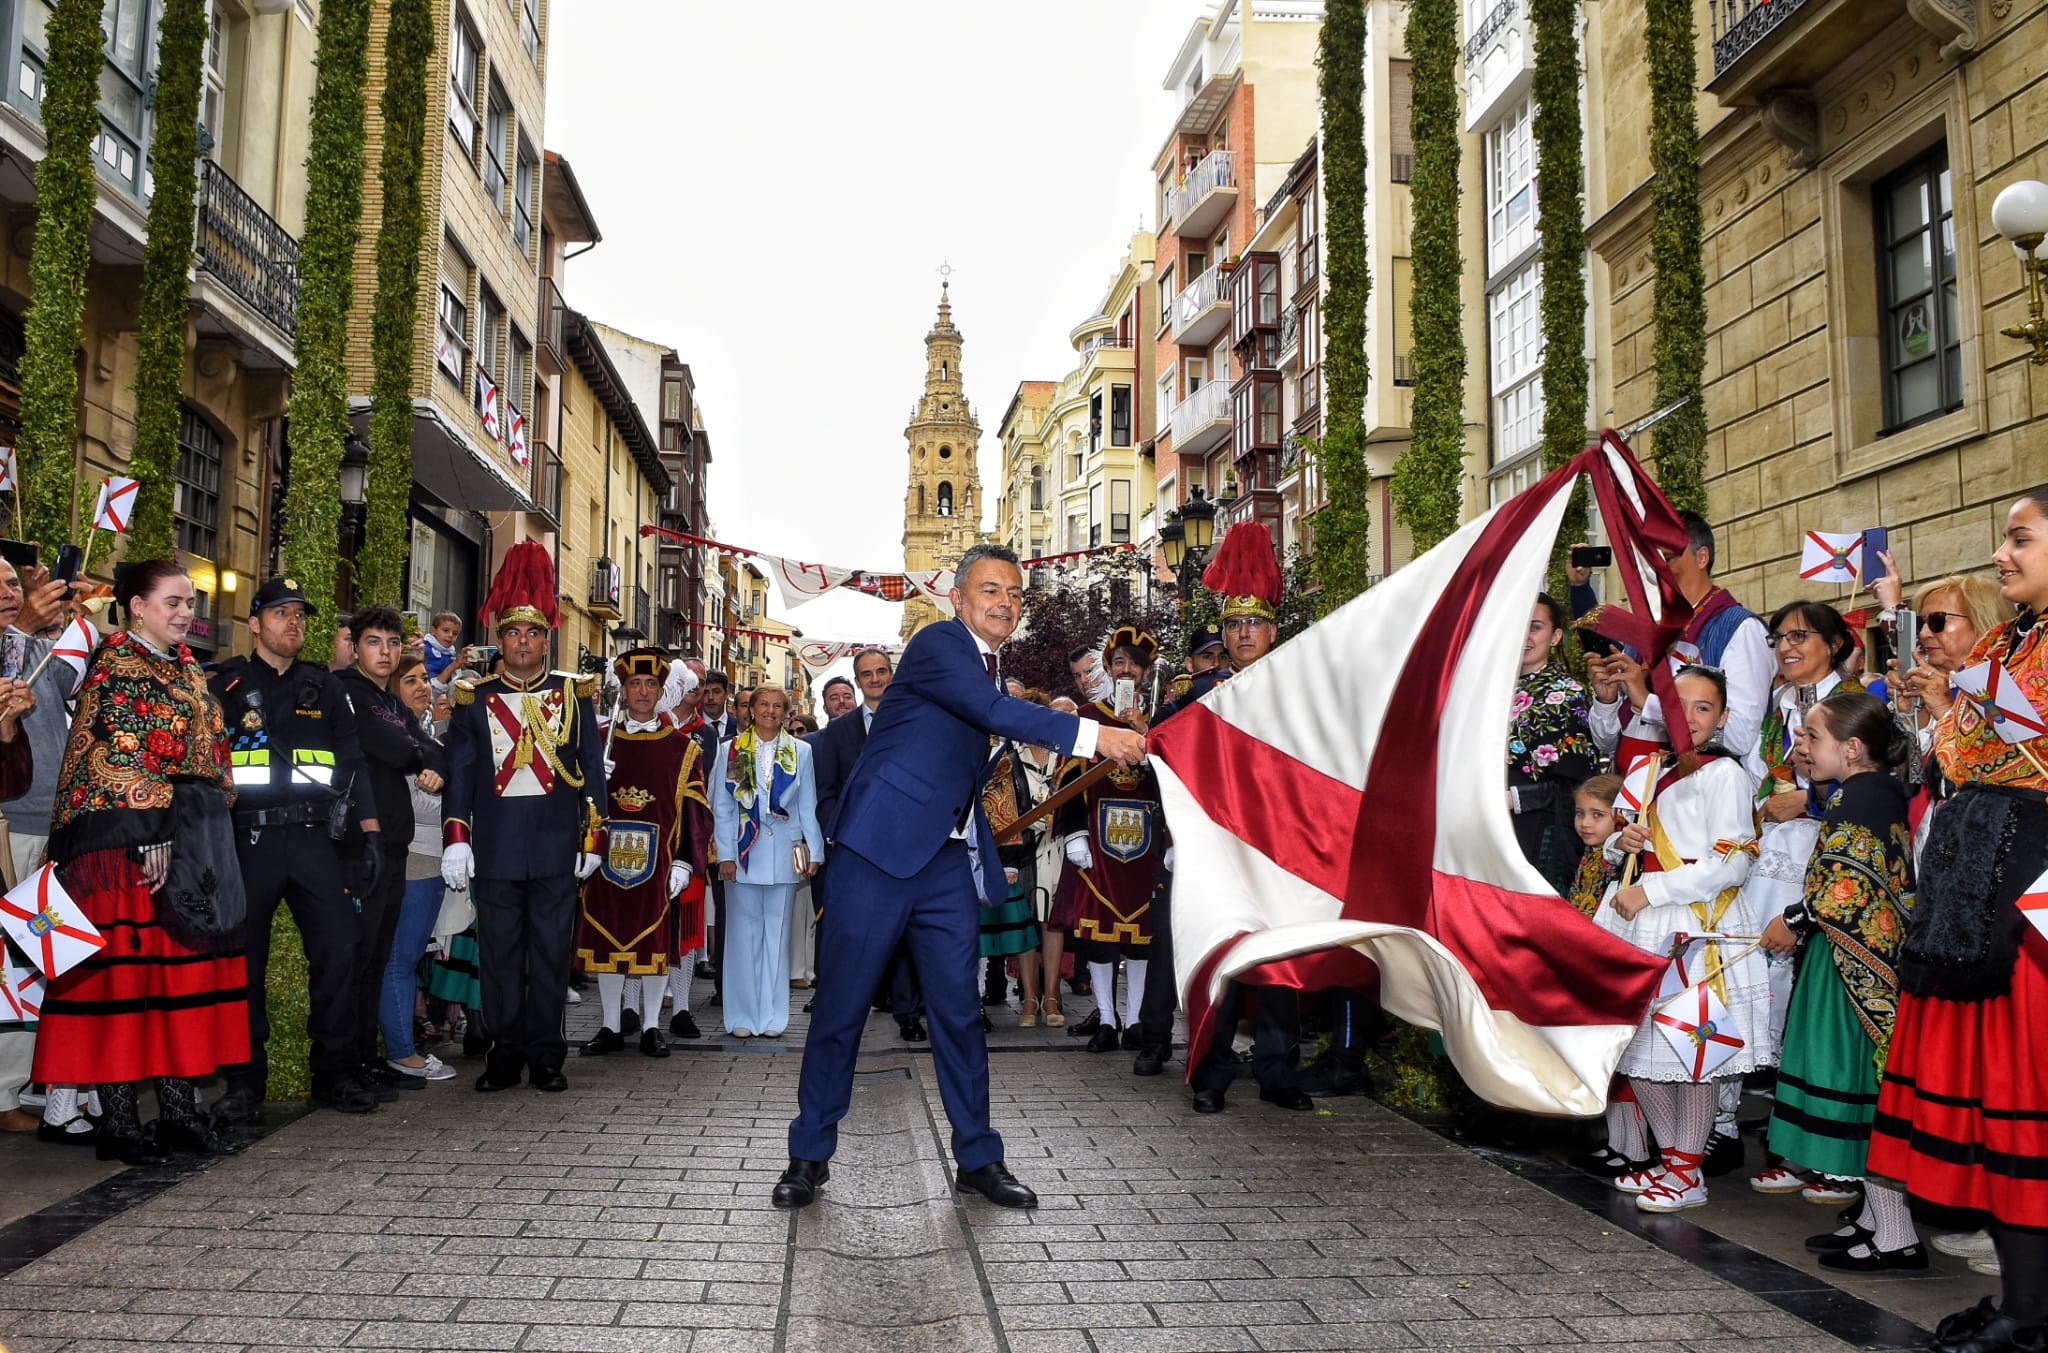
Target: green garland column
[1428, 480]
[1343, 557]
[408, 45]
[166, 274]
[1560, 172]
[66, 193]
[1678, 307]
[319, 405]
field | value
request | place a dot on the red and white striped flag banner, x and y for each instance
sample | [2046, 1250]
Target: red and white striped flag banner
[1386, 858]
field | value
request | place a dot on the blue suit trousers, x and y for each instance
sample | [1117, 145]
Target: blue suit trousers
[935, 914]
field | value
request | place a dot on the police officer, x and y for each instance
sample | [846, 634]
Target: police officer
[299, 777]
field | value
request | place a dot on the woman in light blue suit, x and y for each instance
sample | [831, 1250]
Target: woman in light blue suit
[764, 799]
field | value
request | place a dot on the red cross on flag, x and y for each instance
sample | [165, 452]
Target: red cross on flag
[1699, 1029]
[1386, 857]
[1636, 784]
[8, 483]
[487, 400]
[21, 991]
[1687, 965]
[2034, 903]
[116, 505]
[515, 441]
[1831, 556]
[74, 648]
[2003, 703]
[40, 917]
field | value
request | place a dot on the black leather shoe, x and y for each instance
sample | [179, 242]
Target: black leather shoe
[1328, 1077]
[549, 1079]
[200, 1139]
[1724, 1155]
[1292, 1100]
[1833, 1242]
[378, 1074]
[55, 1134]
[345, 1094]
[1208, 1101]
[1085, 1027]
[629, 1022]
[1981, 1329]
[1150, 1062]
[682, 1026]
[705, 970]
[913, 1030]
[493, 1081]
[800, 1183]
[604, 1041]
[1906, 1259]
[377, 1090]
[1133, 1040]
[130, 1150]
[995, 1183]
[1105, 1039]
[240, 1107]
[652, 1044]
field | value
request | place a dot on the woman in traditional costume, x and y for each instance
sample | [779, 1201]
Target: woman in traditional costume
[1852, 920]
[1695, 841]
[1962, 1114]
[145, 781]
[1550, 749]
[765, 807]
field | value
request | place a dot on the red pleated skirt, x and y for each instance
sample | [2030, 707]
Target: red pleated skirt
[1962, 1114]
[145, 1005]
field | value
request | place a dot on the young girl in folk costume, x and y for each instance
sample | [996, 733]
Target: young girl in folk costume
[1700, 837]
[1962, 1113]
[1853, 920]
[1627, 1147]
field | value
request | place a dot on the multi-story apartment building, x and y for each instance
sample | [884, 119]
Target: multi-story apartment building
[1023, 507]
[1856, 375]
[686, 452]
[1245, 82]
[254, 109]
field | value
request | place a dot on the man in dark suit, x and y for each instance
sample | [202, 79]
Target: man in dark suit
[721, 725]
[834, 750]
[913, 854]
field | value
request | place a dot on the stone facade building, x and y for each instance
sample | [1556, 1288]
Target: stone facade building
[942, 505]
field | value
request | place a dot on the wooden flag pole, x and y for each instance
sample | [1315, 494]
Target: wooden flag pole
[1014, 833]
[1634, 865]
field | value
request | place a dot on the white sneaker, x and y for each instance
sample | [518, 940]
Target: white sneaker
[434, 1069]
[1966, 1245]
[1829, 1193]
[1777, 1179]
[574, 997]
[1988, 1267]
[1640, 1181]
[1673, 1194]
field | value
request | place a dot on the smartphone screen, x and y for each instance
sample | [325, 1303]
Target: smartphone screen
[1126, 694]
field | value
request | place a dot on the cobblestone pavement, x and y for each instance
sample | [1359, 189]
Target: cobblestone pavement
[632, 1213]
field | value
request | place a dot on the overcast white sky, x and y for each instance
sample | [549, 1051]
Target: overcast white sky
[777, 185]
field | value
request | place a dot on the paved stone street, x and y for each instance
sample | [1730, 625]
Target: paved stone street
[632, 1213]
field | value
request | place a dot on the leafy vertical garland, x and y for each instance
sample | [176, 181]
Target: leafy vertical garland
[1678, 307]
[1428, 479]
[65, 197]
[1560, 171]
[166, 285]
[319, 407]
[408, 45]
[1343, 557]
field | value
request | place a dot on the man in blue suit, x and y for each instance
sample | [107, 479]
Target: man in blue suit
[912, 857]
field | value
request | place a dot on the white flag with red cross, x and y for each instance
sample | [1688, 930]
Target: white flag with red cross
[1699, 1029]
[116, 506]
[8, 483]
[1831, 556]
[2034, 903]
[40, 917]
[2002, 702]
[21, 990]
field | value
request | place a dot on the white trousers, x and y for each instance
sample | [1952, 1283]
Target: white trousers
[802, 922]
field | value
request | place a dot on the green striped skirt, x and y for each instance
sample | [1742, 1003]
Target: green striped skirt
[1009, 929]
[1827, 1080]
[454, 978]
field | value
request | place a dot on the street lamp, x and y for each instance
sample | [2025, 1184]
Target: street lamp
[1173, 541]
[1185, 539]
[2021, 215]
[1198, 516]
[355, 473]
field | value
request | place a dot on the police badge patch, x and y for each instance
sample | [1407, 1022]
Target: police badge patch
[1124, 828]
[629, 853]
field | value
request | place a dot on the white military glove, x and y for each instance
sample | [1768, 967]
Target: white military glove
[458, 863]
[586, 865]
[678, 879]
[1078, 853]
[1169, 859]
[611, 769]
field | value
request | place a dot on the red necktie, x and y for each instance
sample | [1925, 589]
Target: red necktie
[989, 660]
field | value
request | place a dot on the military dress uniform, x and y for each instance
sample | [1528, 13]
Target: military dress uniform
[300, 780]
[525, 778]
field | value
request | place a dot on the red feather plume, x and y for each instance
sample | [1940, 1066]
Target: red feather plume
[526, 578]
[1244, 565]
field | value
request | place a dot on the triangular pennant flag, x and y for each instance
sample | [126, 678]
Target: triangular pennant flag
[2034, 903]
[1699, 1029]
[7, 480]
[2002, 702]
[1831, 556]
[116, 505]
[802, 582]
[40, 916]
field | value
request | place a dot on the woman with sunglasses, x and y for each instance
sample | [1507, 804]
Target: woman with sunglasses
[1962, 1114]
[1954, 613]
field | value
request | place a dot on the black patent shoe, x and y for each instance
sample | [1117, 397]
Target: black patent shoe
[56, 1135]
[800, 1183]
[200, 1139]
[1150, 1062]
[493, 1081]
[605, 1040]
[1724, 1155]
[548, 1080]
[1294, 1101]
[1836, 1242]
[652, 1044]
[913, 1030]
[995, 1183]
[1981, 1329]
[141, 1149]
[1867, 1258]
[682, 1026]
[1084, 1027]
[1208, 1101]
[1105, 1039]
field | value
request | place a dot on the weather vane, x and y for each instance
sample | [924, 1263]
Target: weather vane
[946, 275]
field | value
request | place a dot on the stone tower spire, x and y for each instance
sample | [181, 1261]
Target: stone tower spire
[942, 505]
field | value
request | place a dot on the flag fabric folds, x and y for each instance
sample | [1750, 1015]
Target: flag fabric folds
[2004, 704]
[50, 928]
[116, 503]
[1340, 814]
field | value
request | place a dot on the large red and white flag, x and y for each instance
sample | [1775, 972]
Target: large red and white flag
[1340, 818]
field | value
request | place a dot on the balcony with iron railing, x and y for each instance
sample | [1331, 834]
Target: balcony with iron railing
[1098, 344]
[552, 310]
[606, 583]
[547, 481]
[1290, 337]
[643, 611]
[1202, 310]
[1198, 203]
[1202, 420]
[238, 242]
[1489, 28]
[1763, 48]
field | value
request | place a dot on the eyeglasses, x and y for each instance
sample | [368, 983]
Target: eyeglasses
[1245, 622]
[1794, 637]
[1937, 621]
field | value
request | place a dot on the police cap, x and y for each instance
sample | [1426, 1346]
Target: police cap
[276, 592]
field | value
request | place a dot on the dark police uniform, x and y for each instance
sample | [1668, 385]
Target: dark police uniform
[525, 776]
[292, 741]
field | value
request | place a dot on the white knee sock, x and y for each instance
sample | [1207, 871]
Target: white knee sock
[679, 974]
[1134, 990]
[1625, 1124]
[61, 1106]
[1102, 984]
[650, 1000]
[611, 993]
[1727, 1102]
[1885, 1212]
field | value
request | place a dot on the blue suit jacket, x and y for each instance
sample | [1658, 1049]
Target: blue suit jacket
[835, 749]
[920, 773]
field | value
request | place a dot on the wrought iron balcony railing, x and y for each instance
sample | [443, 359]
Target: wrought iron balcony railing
[1483, 36]
[1739, 25]
[238, 242]
[552, 309]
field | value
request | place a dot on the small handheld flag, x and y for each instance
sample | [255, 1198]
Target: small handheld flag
[40, 916]
[1699, 1029]
[2034, 903]
[7, 480]
[21, 990]
[1831, 556]
[2001, 702]
[116, 505]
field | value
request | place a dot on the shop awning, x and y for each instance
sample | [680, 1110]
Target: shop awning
[451, 467]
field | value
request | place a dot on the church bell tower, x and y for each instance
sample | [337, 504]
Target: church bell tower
[942, 506]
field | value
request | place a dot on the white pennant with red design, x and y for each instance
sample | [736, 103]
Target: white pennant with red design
[40, 917]
[2034, 903]
[116, 506]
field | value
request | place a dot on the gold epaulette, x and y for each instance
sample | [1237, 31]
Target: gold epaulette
[584, 684]
[465, 692]
[1182, 684]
